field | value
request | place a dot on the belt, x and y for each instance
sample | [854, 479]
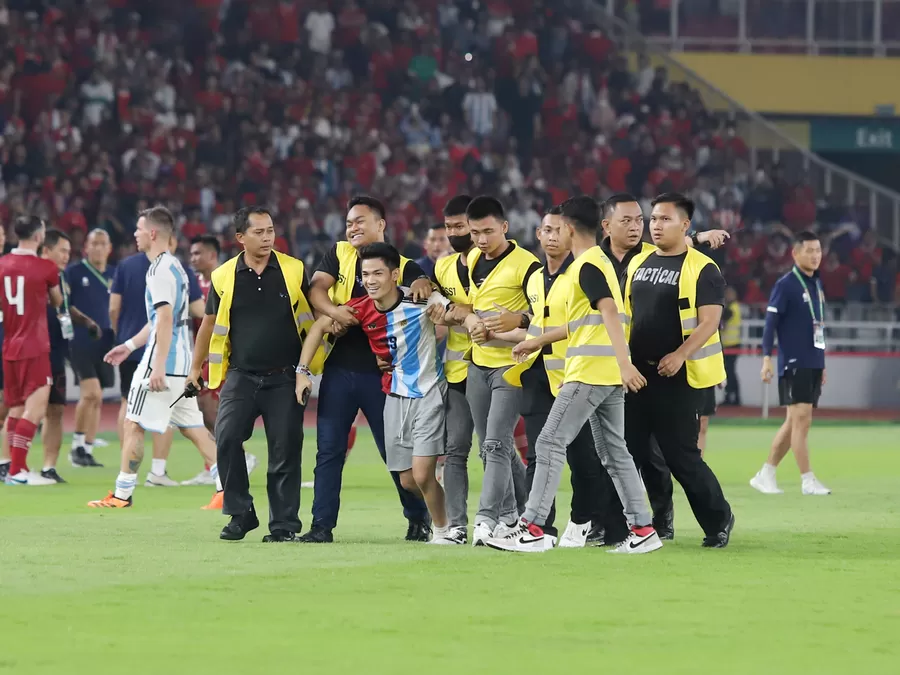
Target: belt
[265, 373]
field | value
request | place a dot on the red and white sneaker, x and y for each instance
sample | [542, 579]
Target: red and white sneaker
[523, 538]
[640, 540]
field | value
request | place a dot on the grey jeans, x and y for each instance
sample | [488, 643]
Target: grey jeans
[459, 445]
[494, 404]
[604, 408]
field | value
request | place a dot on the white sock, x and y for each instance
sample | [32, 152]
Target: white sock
[125, 483]
[5, 461]
[768, 470]
[77, 441]
[89, 448]
[441, 531]
[214, 472]
[809, 476]
[158, 467]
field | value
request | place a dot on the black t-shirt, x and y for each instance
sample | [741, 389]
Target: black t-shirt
[593, 283]
[483, 267]
[351, 351]
[655, 322]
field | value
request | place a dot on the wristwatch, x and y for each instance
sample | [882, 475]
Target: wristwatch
[695, 239]
[525, 321]
[304, 370]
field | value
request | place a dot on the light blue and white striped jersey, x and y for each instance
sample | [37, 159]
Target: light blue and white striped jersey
[406, 337]
[167, 284]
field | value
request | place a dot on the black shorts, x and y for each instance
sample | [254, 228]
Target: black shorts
[88, 364]
[126, 374]
[800, 385]
[707, 402]
[58, 388]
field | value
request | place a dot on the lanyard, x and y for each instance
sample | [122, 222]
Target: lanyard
[809, 303]
[103, 280]
[65, 294]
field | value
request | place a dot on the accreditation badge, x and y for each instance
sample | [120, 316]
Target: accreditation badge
[819, 335]
[65, 323]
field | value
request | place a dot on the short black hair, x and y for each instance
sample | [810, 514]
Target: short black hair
[614, 200]
[53, 236]
[26, 227]
[457, 206]
[555, 210]
[241, 217]
[583, 213]
[437, 226]
[381, 251]
[805, 236]
[485, 206]
[159, 216]
[678, 200]
[210, 240]
[367, 200]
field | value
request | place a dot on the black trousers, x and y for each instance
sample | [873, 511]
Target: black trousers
[594, 497]
[667, 410]
[656, 476]
[732, 387]
[243, 399]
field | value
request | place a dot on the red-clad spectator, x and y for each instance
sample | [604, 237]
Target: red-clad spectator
[211, 99]
[617, 174]
[288, 22]
[73, 219]
[193, 227]
[866, 256]
[742, 254]
[836, 277]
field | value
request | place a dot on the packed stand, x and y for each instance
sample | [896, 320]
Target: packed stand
[114, 106]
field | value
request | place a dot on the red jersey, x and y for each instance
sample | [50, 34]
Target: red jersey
[25, 282]
[204, 289]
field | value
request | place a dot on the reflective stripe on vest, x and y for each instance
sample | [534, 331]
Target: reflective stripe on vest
[456, 368]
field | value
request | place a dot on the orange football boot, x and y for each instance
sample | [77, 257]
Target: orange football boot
[215, 504]
[111, 502]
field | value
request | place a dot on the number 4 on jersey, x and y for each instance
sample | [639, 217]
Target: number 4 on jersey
[17, 300]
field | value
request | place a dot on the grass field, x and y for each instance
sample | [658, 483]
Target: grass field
[808, 584]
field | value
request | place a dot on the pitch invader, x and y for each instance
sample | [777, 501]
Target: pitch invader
[154, 400]
[27, 284]
[597, 372]
[399, 332]
[595, 506]
[205, 251]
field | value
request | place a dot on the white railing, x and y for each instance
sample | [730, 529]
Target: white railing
[850, 27]
[767, 143]
[841, 336]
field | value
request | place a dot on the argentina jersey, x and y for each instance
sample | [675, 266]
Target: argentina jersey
[167, 284]
[416, 357]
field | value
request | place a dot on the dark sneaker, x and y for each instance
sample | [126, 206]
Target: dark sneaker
[317, 535]
[720, 539]
[664, 523]
[4, 471]
[597, 536]
[239, 526]
[52, 475]
[279, 536]
[79, 457]
[418, 530]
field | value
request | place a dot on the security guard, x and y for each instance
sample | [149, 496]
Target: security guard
[674, 296]
[596, 512]
[257, 315]
[731, 340]
[351, 380]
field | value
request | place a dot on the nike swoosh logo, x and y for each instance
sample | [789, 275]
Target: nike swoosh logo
[523, 540]
[632, 545]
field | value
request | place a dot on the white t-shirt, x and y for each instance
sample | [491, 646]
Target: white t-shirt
[320, 26]
[167, 284]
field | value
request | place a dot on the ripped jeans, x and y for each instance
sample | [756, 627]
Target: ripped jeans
[495, 408]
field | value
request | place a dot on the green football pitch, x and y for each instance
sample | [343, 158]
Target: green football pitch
[808, 584]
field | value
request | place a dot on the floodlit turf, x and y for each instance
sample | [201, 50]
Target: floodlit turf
[809, 584]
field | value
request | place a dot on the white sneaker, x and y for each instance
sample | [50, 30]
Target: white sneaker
[100, 443]
[636, 544]
[455, 536]
[481, 533]
[160, 481]
[252, 463]
[503, 529]
[765, 482]
[575, 535]
[37, 480]
[202, 478]
[523, 538]
[20, 478]
[814, 487]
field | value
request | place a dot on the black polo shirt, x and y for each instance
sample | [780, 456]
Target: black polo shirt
[621, 266]
[262, 331]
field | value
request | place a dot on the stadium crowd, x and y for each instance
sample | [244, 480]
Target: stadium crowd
[110, 106]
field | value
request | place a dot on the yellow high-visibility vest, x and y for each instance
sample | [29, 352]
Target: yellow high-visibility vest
[223, 283]
[503, 287]
[549, 313]
[590, 357]
[731, 333]
[458, 341]
[706, 366]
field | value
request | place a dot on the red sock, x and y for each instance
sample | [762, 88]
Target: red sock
[521, 440]
[20, 433]
[207, 465]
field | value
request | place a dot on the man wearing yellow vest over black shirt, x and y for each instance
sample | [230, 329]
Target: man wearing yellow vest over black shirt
[674, 296]
[351, 380]
[596, 368]
[498, 271]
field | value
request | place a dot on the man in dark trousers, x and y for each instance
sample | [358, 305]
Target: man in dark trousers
[674, 296]
[256, 318]
[796, 315]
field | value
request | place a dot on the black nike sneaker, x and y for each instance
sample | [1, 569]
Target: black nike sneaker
[317, 535]
[52, 475]
[720, 539]
[79, 457]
